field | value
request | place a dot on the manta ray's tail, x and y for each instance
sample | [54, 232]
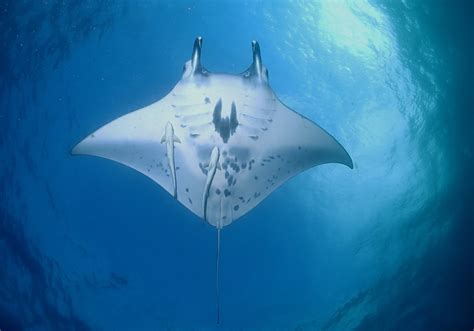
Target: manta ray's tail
[217, 272]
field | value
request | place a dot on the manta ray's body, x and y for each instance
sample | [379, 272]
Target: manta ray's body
[218, 143]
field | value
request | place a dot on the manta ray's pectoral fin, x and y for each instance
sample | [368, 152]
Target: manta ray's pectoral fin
[176, 139]
[308, 144]
[163, 138]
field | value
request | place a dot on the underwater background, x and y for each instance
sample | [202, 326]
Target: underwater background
[88, 244]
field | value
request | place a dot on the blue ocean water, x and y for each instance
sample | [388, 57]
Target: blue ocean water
[88, 244]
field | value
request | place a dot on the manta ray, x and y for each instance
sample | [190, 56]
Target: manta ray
[218, 143]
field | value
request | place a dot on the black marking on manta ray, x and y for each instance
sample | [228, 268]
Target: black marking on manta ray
[236, 207]
[226, 127]
[218, 192]
[226, 192]
[190, 201]
[251, 164]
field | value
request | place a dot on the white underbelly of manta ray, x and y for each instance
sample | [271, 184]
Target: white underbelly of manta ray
[260, 142]
[218, 143]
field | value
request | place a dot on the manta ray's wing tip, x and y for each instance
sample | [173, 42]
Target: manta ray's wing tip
[349, 162]
[344, 157]
[82, 148]
[76, 150]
